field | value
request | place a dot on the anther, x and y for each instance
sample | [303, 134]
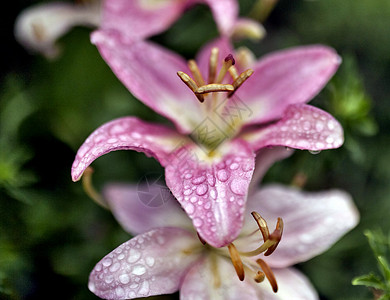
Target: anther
[269, 274]
[213, 64]
[227, 63]
[233, 72]
[275, 236]
[237, 262]
[259, 277]
[191, 84]
[240, 80]
[192, 65]
[262, 225]
[214, 87]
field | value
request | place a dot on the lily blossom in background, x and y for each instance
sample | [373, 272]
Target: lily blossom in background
[39, 27]
[226, 106]
[167, 255]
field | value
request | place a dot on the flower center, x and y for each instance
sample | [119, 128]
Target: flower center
[242, 262]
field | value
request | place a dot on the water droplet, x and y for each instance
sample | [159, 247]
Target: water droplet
[120, 292]
[314, 152]
[211, 179]
[144, 290]
[134, 255]
[319, 126]
[223, 175]
[193, 199]
[234, 166]
[198, 222]
[189, 208]
[306, 125]
[201, 189]
[187, 192]
[124, 278]
[108, 279]
[139, 270]
[331, 125]
[330, 139]
[213, 194]
[150, 261]
[115, 267]
[238, 186]
[107, 262]
[199, 180]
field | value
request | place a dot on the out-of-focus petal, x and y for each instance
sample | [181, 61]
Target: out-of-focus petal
[287, 77]
[302, 127]
[292, 284]
[212, 191]
[150, 73]
[39, 27]
[313, 222]
[148, 205]
[128, 133]
[150, 264]
[201, 282]
[140, 19]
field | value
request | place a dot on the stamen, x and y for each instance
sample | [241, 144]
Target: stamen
[240, 80]
[192, 65]
[227, 63]
[191, 84]
[237, 262]
[90, 190]
[275, 236]
[262, 225]
[214, 87]
[259, 277]
[215, 271]
[269, 274]
[213, 64]
[233, 72]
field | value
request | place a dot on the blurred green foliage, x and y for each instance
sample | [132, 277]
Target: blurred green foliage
[51, 234]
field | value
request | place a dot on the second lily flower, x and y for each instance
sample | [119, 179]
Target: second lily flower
[226, 106]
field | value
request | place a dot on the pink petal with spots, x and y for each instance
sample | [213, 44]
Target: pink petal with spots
[128, 133]
[292, 285]
[302, 127]
[313, 222]
[140, 18]
[150, 73]
[287, 77]
[145, 206]
[152, 263]
[201, 282]
[213, 192]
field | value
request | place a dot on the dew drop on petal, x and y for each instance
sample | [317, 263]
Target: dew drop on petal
[150, 261]
[238, 186]
[314, 152]
[189, 208]
[201, 189]
[124, 278]
[139, 270]
[198, 222]
[144, 290]
[134, 255]
[223, 175]
[107, 262]
[234, 166]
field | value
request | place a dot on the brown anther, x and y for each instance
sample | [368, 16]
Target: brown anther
[192, 65]
[259, 277]
[227, 63]
[201, 239]
[213, 64]
[214, 87]
[262, 225]
[237, 262]
[240, 80]
[269, 274]
[191, 84]
[275, 236]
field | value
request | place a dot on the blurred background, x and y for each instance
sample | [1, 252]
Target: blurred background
[52, 234]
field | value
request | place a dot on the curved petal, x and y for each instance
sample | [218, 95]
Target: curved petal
[292, 285]
[313, 222]
[148, 205]
[150, 264]
[128, 133]
[287, 77]
[38, 27]
[140, 18]
[212, 191]
[150, 73]
[225, 13]
[216, 280]
[302, 127]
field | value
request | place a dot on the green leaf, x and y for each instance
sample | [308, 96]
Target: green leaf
[369, 280]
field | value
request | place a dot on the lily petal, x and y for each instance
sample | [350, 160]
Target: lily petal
[150, 264]
[302, 127]
[140, 18]
[313, 222]
[216, 280]
[128, 133]
[212, 191]
[140, 208]
[292, 284]
[38, 27]
[150, 73]
[287, 77]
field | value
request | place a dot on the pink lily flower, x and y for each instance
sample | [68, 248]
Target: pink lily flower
[210, 157]
[39, 27]
[167, 256]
